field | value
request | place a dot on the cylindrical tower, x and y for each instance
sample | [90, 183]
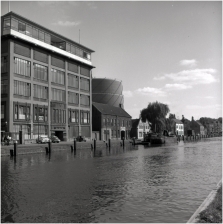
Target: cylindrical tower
[107, 91]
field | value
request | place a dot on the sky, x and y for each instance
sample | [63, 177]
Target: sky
[168, 51]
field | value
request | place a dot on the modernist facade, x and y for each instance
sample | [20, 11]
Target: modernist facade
[45, 81]
[110, 122]
[139, 128]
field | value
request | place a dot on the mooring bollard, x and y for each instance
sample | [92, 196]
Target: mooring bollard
[11, 152]
[72, 148]
[123, 143]
[47, 151]
[109, 143]
[15, 149]
[183, 137]
[75, 145]
[49, 146]
[134, 141]
[92, 147]
[95, 145]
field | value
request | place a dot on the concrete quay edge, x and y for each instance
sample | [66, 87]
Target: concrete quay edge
[195, 217]
[40, 148]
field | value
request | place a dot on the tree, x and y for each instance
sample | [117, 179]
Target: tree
[155, 113]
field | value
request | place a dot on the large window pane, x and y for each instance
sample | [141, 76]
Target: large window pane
[58, 76]
[22, 27]
[6, 24]
[35, 33]
[41, 35]
[14, 24]
[21, 67]
[28, 30]
[47, 38]
[40, 72]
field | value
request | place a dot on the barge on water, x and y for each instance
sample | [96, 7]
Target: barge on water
[151, 138]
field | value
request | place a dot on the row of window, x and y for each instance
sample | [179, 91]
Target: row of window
[40, 114]
[22, 27]
[117, 134]
[41, 92]
[116, 122]
[22, 67]
[40, 129]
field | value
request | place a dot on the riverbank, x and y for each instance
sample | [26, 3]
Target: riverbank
[210, 211]
[213, 213]
[41, 148]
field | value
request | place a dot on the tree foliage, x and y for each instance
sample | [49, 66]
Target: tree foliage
[155, 113]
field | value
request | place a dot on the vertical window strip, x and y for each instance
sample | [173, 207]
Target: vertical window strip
[40, 72]
[21, 67]
[21, 88]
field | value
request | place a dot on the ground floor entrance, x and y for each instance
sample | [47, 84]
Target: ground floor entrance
[60, 135]
[122, 134]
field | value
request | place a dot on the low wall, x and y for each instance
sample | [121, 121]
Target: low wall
[195, 217]
[40, 148]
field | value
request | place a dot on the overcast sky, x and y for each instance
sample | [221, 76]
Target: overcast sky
[169, 52]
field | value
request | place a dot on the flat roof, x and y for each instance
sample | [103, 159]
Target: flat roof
[46, 29]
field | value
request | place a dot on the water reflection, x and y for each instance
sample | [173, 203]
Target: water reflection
[137, 184]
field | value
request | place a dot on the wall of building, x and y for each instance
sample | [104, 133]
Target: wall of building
[107, 91]
[21, 52]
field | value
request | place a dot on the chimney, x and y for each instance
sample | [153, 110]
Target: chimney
[192, 118]
[121, 105]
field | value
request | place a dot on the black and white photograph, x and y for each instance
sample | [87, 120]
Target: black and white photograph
[111, 111]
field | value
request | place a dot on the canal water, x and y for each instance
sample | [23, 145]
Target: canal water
[138, 184]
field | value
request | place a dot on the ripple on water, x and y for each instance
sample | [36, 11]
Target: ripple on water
[147, 184]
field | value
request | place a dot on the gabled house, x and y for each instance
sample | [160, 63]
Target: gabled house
[177, 126]
[139, 128]
[197, 127]
[110, 122]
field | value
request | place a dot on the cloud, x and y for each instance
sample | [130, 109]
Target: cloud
[67, 23]
[92, 5]
[149, 91]
[127, 93]
[191, 77]
[214, 107]
[175, 86]
[190, 63]
[209, 97]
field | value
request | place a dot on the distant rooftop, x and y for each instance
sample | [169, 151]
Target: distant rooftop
[111, 110]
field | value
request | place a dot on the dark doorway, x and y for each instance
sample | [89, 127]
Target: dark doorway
[59, 134]
[122, 134]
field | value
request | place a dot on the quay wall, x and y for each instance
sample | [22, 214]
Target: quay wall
[40, 148]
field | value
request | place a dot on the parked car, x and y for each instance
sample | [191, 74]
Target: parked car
[42, 139]
[54, 139]
[81, 139]
[171, 134]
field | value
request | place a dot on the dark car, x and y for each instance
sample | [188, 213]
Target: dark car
[54, 139]
[81, 139]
